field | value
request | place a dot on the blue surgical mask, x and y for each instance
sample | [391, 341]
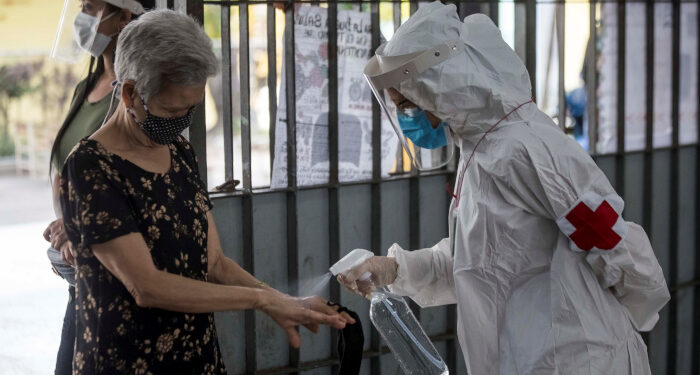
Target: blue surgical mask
[420, 131]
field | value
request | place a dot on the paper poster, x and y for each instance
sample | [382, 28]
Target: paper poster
[354, 102]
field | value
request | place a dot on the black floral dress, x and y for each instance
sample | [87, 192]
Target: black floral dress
[103, 197]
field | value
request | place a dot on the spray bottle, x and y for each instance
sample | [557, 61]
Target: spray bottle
[396, 324]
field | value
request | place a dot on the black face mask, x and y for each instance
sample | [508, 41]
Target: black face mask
[163, 130]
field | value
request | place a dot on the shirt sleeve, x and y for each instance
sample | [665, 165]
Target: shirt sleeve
[95, 207]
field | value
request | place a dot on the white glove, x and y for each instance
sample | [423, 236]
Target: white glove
[382, 271]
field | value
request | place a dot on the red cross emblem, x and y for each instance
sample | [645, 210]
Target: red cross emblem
[594, 228]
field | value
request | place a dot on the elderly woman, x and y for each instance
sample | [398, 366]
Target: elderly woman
[150, 266]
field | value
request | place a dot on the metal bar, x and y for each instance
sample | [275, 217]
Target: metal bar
[684, 285]
[519, 30]
[247, 200]
[493, 11]
[561, 37]
[414, 223]
[291, 99]
[658, 148]
[265, 190]
[333, 194]
[531, 43]
[292, 243]
[244, 53]
[649, 137]
[467, 8]
[227, 120]
[272, 78]
[198, 129]
[648, 173]
[333, 115]
[673, 190]
[621, 97]
[591, 74]
[414, 203]
[696, 303]
[376, 195]
[399, 150]
[376, 110]
[251, 347]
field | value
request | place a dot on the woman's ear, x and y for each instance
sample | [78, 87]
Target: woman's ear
[128, 94]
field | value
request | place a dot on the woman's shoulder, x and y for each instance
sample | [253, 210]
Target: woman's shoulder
[85, 154]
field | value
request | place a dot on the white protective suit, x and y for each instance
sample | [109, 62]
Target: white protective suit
[530, 299]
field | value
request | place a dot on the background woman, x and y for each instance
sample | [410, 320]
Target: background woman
[88, 109]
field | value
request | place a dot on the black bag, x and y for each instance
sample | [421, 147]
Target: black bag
[350, 345]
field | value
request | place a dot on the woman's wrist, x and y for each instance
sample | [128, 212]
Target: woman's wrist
[261, 298]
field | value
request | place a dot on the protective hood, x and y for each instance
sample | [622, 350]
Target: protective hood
[473, 89]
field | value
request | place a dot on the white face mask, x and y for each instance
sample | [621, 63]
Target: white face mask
[86, 35]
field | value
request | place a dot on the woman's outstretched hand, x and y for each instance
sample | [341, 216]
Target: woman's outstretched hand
[319, 304]
[289, 312]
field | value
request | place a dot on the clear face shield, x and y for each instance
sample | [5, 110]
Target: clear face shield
[428, 147]
[78, 27]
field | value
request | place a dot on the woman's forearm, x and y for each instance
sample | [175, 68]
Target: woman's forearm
[228, 272]
[168, 291]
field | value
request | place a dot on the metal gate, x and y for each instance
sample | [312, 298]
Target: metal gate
[286, 235]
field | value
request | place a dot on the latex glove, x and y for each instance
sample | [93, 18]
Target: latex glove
[383, 271]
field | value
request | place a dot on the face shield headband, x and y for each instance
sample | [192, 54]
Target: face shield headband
[385, 72]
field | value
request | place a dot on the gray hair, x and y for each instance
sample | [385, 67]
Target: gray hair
[164, 46]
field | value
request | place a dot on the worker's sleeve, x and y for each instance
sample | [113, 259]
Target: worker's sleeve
[569, 188]
[425, 275]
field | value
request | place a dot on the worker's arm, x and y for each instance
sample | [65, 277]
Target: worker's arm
[425, 275]
[558, 180]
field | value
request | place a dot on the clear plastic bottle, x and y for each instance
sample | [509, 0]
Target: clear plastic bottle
[403, 334]
[396, 324]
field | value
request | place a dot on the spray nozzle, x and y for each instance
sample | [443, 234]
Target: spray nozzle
[352, 260]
